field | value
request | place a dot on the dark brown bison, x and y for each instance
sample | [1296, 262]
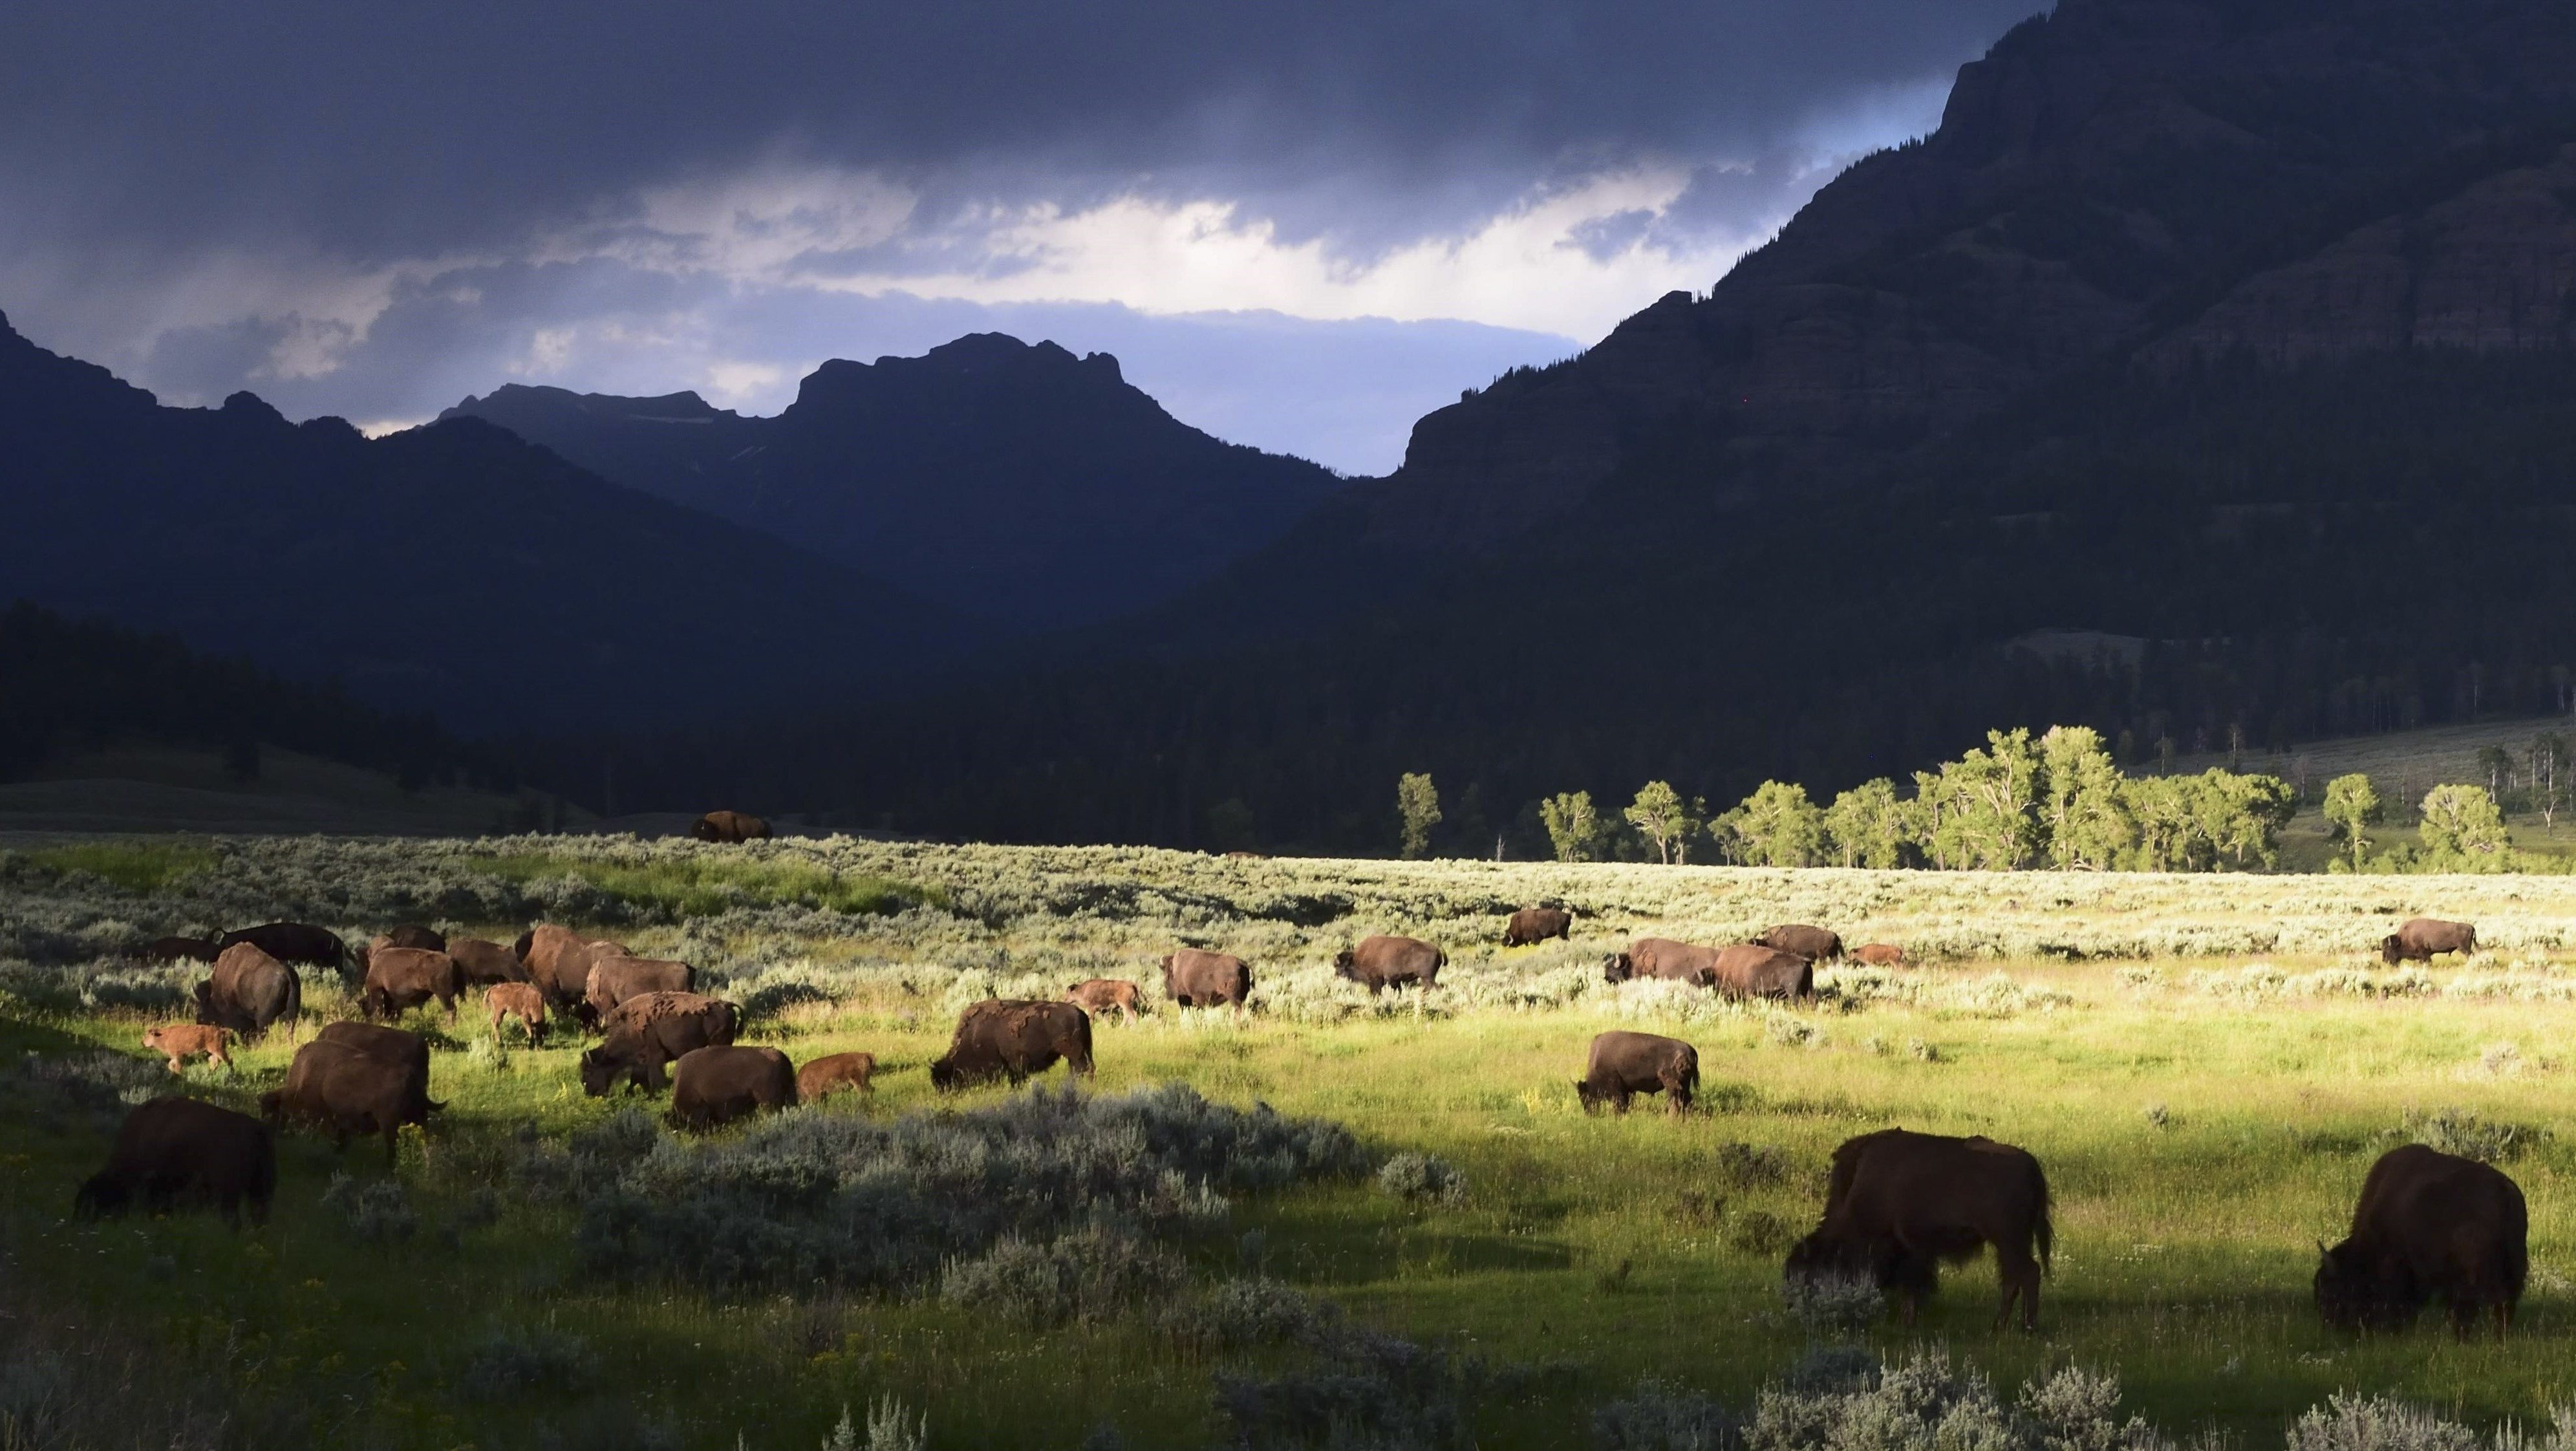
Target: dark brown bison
[1662, 957]
[177, 1148]
[1751, 970]
[300, 942]
[1538, 924]
[485, 963]
[1812, 943]
[729, 826]
[2422, 937]
[178, 949]
[411, 935]
[180, 1043]
[1630, 1063]
[1379, 963]
[1196, 978]
[1899, 1205]
[2429, 1225]
[1101, 994]
[517, 1000]
[558, 962]
[400, 979]
[1882, 954]
[711, 1087]
[248, 991]
[1013, 1038]
[395, 1045]
[345, 1090]
[822, 1077]
[648, 1032]
[615, 978]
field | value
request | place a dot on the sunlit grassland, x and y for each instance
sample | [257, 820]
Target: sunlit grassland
[698, 886]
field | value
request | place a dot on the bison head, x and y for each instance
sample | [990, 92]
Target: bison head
[272, 1106]
[1592, 1097]
[598, 1073]
[102, 1195]
[2356, 1292]
[2389, 949]
[1346, 965]
[1618, 967]
[944, 1075]
[703, 829]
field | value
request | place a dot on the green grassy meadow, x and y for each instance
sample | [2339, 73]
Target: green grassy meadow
[2202, 1126]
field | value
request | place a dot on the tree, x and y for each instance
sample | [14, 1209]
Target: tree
[2166, 814]
[2088, 825]
[1573, 828]
[1417, 802]
[1867, 826]
[1987, 805]
[1662, 817]
[2352, 806]
[2242, 815]
[1777, 826]
[2462, 821]
[2549, 760]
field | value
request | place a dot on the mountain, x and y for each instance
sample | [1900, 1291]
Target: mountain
[1013, 482]
[2236, 328]
[453, 570]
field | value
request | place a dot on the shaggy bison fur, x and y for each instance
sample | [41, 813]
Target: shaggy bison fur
[711, 1087]
[1379, 963]
[174, 1149]
[1538, 924]
[428, 939]
[485, 963]
[1899, 1205]
[1013, 1038]
[1623, 1064]
[2430, 1225]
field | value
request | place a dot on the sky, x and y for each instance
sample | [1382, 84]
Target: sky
[1300, 225]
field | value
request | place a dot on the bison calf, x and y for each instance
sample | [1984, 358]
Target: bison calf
[174, 1148]
[827, 1075]
[517, 1000]
[1899, 1205]
[1881, 954]
[2430, 1225]
[180, 1042]
[1623, 1064]
[1101, 994]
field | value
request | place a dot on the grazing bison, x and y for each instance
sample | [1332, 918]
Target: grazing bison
[729, 826]
[1013, 1038]
[400, 979]
[714, 1086]
[820, 1078]
[1662, 957]
[1538, 924]
[299, 942]
[1101, 994]
[178, 949]
[179, 1043]
[616, 977]
[248, 991]
[1812, 943]
[648, 1032]
[409, 935]
[171, 1148]
[1882, 954]
[1751, 970]
[1900, 1204]
[394, 1045]
[2429, 1224]
[2422, 937]
[1379, 963]
[1196, 978]
[558, 962]
[1630, 1063]
[485, 963]
[344, 1090]
[517, 1000]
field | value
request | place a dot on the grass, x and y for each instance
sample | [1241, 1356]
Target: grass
[140, 866]
[702, 887]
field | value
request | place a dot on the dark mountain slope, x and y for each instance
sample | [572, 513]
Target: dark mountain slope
[1015, 482]
[451, 569]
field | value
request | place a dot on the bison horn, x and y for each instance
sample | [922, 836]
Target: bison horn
[2321, 1248]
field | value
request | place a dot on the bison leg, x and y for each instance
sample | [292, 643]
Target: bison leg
[2020, 1276]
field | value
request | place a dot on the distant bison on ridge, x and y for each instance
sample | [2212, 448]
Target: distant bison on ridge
[1899, 1205]
[729, 826]
[171, 1149]
[1537, 924]
[1196, 978]
[2429, 1225]
[2419, 940]
[1379, 963]
[1013, 1038]
[1623, 1064]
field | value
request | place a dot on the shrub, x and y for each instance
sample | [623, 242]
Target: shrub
[1922, 1403]
[2459, 1131]
[1833, 1305]
[376, 1211]
[1423, 1179]
[1750, 1166]
[1239, 1314]
[507, 1363]
[1758, 1233]
[1656, 1417]
[1092, 1274]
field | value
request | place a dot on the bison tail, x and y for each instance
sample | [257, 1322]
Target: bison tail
[2043, 1233]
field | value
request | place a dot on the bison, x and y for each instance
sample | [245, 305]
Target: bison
[344, 1090]
[1101, 994]
[170, 1148]
[729, 826]
[408, 935]
[485, 963]
[516, 1000]
[1013, 1038]
[1195, 978]
[1662, 957]
[1882, 954]
[402, 978]
[299, 942]
[1751, 970]
[178, 949]
[248, 991]
[558, 961]
[711, 1087]
[1898, 1205]
[2429, 1224]
[1812, 943]
[616, 977]
[647, 1032]
[1624, 1063]
[819, 1078]
[179, 1043]
[1538, 924]
[1379, 963]
[2421, 938]
[411, 1050]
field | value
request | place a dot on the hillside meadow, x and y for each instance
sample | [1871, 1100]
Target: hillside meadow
[1364, 1222]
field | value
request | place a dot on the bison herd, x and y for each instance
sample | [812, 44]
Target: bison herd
[1898, 1204]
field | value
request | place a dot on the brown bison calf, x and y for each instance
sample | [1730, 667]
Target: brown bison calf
[2429, 1225]
[2422, 938]
[1900, 1204]
[402, 978]
[181, 1041]
[172, 1148]
[1538, 924]
[1013, 1038]
[823, 1076]
[1881, 954]
[1812, 943]
[1101, 994]
[1379, 963]
[1623, 1064]
[711, 1087]
[517, 1000]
